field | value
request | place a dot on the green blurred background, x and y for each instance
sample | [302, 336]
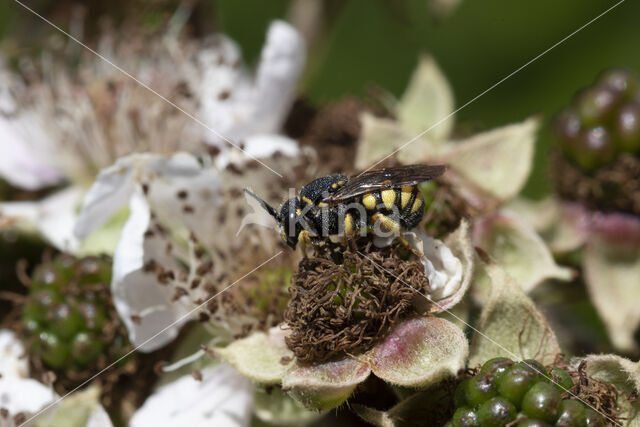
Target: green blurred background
[368, 43]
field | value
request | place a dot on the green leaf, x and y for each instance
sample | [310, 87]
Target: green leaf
[498, 161]
[563, 226]
[327, 385]
[625, 376]
[379, 137]
[262, 357]
[420, 352]
[427, 103]
[189, 345]
[275, 407]
[518, 249]
[510, 325]
[411, 411]
[612, 269]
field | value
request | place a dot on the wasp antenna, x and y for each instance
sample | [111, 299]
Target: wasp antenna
[267, 207]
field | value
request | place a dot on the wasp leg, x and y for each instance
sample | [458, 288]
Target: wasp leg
[393, 226]
[303, 240]
[350, 228]
[406, 243]
[386, 223]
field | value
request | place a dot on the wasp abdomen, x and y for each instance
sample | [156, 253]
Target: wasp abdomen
[405, 204]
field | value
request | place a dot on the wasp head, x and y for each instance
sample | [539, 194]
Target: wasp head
[290, 222]
[289, 218]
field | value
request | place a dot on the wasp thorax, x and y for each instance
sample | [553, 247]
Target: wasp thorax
[346, 302]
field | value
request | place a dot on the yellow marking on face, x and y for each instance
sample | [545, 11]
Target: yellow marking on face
[388, 198]
[334, 186]
[348, 224]
[405, 196]
[386, 222]
[323, 205]
[417, 204]
[369, 201]
[298, 212]
[307, 200]
[283, 235]
[341, 183]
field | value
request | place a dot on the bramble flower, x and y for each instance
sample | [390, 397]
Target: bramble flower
[190, 242]
[512, 327]
[181, 242]
[486, 170]
[61, 125]
[22, 397]
[596, 211]
[348, 321]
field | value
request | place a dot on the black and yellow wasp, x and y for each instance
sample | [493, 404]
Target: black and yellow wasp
[382, 201]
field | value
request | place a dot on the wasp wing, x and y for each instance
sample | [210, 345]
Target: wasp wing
[384, 179]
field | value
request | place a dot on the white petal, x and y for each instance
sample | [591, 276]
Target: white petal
[23, 395]
[110, 192]
[443, 269]
[281, 63]
[235, 105]
[25, 152]
[257, 147]
[13, 360]
[53, 217]
[135, 291]
[99, 418]
[223, 398]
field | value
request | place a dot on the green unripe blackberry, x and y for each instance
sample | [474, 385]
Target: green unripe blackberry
[621, 81]
[532, 423]
[516, 382]
[561, 379]
[523, 394]
[572, 413]
[480, 389]
[496, 412]
[596, 104]
[542, 401]
[602, 122]
[496, 367]
[627, 127]
[68, 316]
[592, 418]
[465, 417]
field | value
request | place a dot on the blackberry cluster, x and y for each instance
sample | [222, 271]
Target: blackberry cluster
[519, 394]
[602, 122]
[69, 318]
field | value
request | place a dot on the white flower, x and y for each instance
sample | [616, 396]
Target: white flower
[67, 125]
[238, 105]
[22, 397]
[221, 398]
[180, 242]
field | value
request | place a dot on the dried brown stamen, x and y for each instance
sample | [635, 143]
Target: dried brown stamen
[612, 188]
[342, 302]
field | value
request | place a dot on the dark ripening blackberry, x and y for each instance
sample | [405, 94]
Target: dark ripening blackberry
[524, 393]
[598, 161]
[69, 318]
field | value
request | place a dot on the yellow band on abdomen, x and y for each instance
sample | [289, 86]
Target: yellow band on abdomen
[388, 198]
[369, 202]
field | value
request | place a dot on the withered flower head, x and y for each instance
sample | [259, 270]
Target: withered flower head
[343, 302]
